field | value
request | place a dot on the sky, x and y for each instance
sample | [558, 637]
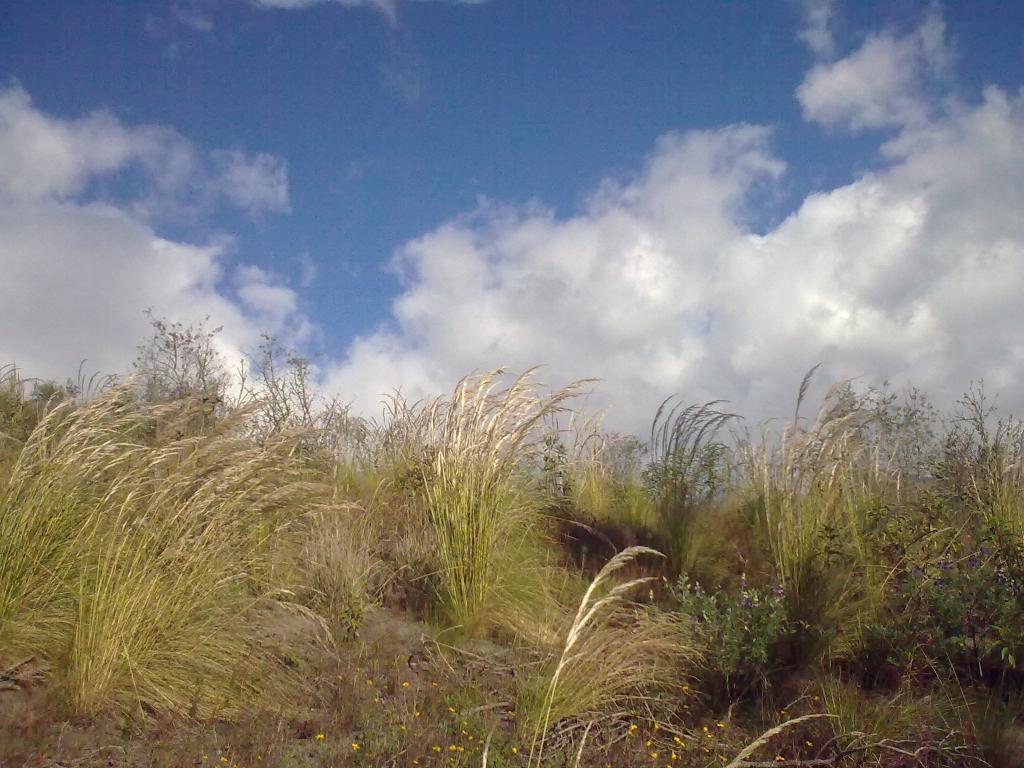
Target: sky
[701, 199]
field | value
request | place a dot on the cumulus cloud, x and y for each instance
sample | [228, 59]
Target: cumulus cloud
[887, 82]
[817, 30]
[912, 273]
[79, 268]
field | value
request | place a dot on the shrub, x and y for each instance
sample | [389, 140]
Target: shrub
[743, 628]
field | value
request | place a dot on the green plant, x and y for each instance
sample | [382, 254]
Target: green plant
[477, 491]
[743, 628]
[689, 467]
[815, 487]
[927, 727]
[616, 659]
[132, 556]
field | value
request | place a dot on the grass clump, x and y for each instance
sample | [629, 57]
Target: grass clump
[814, 489]
[617, 659]
[132, 554]
[478, 491]
[687, 471]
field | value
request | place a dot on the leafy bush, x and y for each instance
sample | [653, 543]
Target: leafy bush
[743, 629]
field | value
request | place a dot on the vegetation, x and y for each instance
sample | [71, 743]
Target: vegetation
[203, 568]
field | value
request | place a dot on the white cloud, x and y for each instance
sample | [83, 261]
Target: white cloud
[913, 273]
[44, 157]
[79, 272]
[258, 183]
[885, 83]
[307, 270]
[817, 31]
[271, 303]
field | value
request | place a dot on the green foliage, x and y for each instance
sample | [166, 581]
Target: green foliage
[743, 629]
[481, 510]
[688, 469]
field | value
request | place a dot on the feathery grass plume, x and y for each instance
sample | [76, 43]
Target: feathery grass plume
[616, 658]
[688, 467]
[53, 490]
[740, 761]
[132, 554]
[482, 512]
[814, 486]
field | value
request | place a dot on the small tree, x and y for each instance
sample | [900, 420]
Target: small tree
[283, 383]
[180, 361]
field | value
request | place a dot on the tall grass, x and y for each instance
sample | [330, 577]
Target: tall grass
[483, 440]
[616, 659]
[688, 469]
[133, 552]
[604, 476]
[814, 485]
[990, 459]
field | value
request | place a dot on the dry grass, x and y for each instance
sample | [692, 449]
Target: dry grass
[342, 573]
[483, 441]
[814, 485]
[133, 553]
[617, 659]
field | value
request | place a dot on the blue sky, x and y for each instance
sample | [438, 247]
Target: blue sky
[316, 165]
